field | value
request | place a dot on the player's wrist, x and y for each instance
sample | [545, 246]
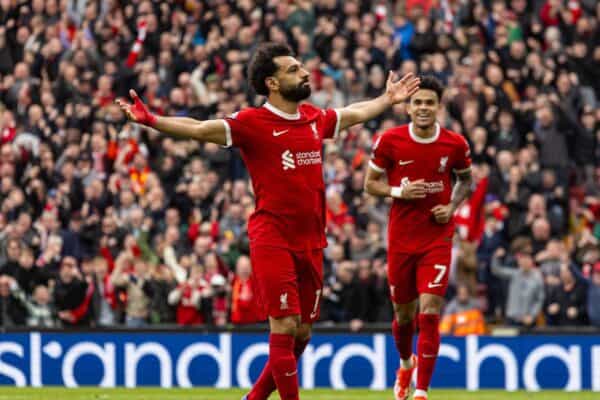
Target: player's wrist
[387, 99]
[145, 117]
[397, 192]
[151, 120]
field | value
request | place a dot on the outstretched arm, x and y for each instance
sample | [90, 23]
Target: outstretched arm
[186, 128]
[395, 92]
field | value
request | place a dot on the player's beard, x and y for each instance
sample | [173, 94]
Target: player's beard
[296, 93]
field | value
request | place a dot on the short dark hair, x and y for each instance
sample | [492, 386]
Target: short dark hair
[430, 82]
[262, 65]
[521, 244]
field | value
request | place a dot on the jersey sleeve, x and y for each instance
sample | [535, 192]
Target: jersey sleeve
[330, 123]
[380, 160]
[462, 160]
[237, 129]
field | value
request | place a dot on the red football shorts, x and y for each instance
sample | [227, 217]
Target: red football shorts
[411, 274]
[288, 282]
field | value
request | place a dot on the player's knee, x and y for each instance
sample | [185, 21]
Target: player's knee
[285, 325]
[405, 313]
[404, 318]
[430, 310]
[431, 304]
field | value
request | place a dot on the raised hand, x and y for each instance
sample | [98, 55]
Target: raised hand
[138, 111]
[400, 91]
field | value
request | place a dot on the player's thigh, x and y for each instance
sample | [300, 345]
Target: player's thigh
[401, 277]
[310, 284]
[274, 273]
[433, 270]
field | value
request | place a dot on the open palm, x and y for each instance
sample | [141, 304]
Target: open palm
[138, 111]
[401, 90]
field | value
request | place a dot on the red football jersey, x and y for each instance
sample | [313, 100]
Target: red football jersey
[283, 155]
[405, 158]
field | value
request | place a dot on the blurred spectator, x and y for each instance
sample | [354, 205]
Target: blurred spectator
[341, 299]
[215, 302]
[49, 259]
[499, 176]
[40, 312]
[72, 294]
[593, 296]
[187, 298]
[372, 289]
[328, 96]
[233, 221]
[526, 287]
[462, 315]
[10, 265]
[131, 273]
[157, 288]
[506, 137]
[12, 312]
[104, 300]
[245, 306]
[565, 303]
[28, 275]
[550, 260]
[551, 127]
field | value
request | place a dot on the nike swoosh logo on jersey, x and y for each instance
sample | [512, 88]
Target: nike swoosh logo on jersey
[402, 162]
[433, 285]
[291, 373]
[279, 133]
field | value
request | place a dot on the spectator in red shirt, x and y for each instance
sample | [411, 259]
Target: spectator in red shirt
[244, 302]
[337, 212]
[188, 298]
[105, 95]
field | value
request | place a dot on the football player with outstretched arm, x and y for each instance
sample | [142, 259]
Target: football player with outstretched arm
[281, 145]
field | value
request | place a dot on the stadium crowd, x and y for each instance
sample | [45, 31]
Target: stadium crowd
[104, 223]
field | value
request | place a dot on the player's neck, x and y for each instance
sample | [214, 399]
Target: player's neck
[425, 133]
[288, 107]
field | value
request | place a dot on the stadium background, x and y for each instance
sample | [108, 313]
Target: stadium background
[106, 224]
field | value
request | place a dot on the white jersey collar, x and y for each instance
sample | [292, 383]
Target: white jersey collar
[281, 113]
[419, 139]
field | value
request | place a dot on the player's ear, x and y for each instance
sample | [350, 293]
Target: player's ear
[272, 83]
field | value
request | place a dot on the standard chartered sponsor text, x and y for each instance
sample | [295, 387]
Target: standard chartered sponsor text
[308, 157]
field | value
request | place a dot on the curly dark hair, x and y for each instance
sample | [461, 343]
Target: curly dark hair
[262, 65]
[430, 82]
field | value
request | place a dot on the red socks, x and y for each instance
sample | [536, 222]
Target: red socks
[265, 385]
[283, 365]
[428, 345]
[403, 336]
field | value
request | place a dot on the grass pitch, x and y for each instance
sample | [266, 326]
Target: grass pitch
[46, 393]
